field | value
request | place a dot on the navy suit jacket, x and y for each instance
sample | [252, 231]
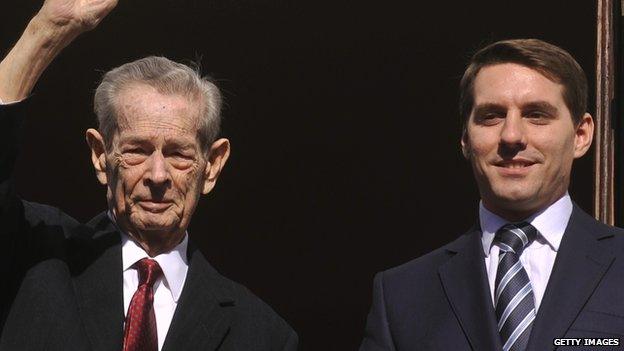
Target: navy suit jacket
[442, 301]
[62, 282]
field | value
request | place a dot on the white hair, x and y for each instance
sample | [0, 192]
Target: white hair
[167, 77]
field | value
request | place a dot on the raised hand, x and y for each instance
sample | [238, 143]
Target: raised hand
[75, 15]
[56, 25]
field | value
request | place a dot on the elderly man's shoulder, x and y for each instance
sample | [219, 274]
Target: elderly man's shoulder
[255, 314]
[253, 322]
[45, 216]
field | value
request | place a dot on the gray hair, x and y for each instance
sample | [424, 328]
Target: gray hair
[167, 77]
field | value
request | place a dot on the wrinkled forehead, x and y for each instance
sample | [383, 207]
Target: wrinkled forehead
[142, 110]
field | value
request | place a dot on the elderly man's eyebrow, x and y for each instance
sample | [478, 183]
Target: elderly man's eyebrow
[174, 141]
[182, 142]
[179, 145]
[133, 139]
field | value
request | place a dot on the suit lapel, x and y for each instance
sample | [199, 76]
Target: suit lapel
[466, 286]
[581, 263]
[97, 272]
[205, 309]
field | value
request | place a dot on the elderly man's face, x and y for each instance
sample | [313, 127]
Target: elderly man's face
[156, 169]
[521, 140]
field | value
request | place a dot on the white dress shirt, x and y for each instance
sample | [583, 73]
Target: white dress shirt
[539, 257]
[167, 288]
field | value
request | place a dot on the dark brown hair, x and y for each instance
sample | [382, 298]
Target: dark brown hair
[552, 61]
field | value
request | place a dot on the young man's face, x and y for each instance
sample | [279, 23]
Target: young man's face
[521, 140]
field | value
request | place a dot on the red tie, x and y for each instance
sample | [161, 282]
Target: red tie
[140, 332]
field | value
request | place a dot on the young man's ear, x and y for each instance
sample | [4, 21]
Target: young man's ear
[584, 135]
[217, 157]
[465, 145]
[98, 154]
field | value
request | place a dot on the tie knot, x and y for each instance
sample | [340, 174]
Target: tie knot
[149, 271]
[515, 237]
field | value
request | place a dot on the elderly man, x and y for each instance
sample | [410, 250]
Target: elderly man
[535, 267]
[130, 278]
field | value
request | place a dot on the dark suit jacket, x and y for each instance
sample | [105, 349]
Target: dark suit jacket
[442, 301]
[62, 283]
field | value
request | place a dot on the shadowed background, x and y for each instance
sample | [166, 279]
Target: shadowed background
[343, 121]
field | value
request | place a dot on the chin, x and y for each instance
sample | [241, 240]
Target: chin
[516, 193]
[154, 222]
[515, 202]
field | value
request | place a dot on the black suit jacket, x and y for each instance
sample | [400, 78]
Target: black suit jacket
[62, 282]
[442, 301]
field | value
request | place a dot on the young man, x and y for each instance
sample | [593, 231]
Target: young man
[536, 267]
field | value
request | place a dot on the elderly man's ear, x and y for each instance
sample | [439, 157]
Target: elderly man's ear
[218, 155]
[98, 154]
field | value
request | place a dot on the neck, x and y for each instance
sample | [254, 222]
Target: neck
[510, 215]
[515, 213]
[154, 242]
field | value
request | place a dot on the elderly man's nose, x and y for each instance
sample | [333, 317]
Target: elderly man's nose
[157, 173]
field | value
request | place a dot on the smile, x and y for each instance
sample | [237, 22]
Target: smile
[154, 206]
[514, 164]
[514, 168]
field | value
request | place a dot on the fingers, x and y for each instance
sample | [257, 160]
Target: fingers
[94, 12]
[75, 16]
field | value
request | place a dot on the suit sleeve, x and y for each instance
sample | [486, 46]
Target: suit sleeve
[11, 208]
[10, 123]
[29, 232]
[377, 336]
[21, 220]
[12, 219]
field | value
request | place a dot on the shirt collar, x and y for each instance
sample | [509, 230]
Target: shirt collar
[550, 223]
[174, 263]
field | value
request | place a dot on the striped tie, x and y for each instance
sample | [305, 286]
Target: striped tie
[513, 299]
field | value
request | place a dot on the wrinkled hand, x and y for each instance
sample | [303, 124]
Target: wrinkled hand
[75, 15]
[54, 27]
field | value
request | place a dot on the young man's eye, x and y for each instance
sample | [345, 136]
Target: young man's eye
[538, 117]
[489, 118]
